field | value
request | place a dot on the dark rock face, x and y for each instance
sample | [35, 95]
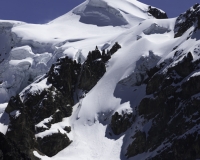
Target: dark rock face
[157, 13]
[120, 123]
[173, 108]
[95, 67]
[188, 19]
[9, 150]
[115, 48]
[35, 108]
[138, 146]
[51, 145]
[64, 76]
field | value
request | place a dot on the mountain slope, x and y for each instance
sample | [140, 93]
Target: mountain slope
[134, 96]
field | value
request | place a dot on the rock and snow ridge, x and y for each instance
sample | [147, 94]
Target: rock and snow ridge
[136, 96]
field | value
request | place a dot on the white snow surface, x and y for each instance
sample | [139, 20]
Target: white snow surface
[75, 34]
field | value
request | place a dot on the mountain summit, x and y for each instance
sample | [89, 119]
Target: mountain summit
[109, 80]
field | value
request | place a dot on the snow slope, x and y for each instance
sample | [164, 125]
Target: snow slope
[31, 49]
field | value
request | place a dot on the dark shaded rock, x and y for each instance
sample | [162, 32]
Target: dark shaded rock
[184, 148]
[191, 87]
[52, 144]
[157, 80]
[154, 84]
[67, 129]
[184, 67]
[105, 56]
[63, 75]
[94, 55]
[91, 73]
[9, 150]
[115, 48]
[157, 13]
[41, 105]
[138, 145]
[173, 109]
[188, 19]
[95, 67]
[1, 155]
[120, 123]
[152, 71]
[14, 104]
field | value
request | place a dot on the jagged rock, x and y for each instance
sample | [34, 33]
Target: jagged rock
[115, 48]
[154, 83]
[68, 129]
[105, 56]
[63, 75]
[188, 19]
[9, 150]
[173, 110]
[120, 123]
[95, 67]
[14, 104]
[32, 110]
[52, 144]
[157, 13]
[191, 87]
[92, 70]
[138, 146]
[91, 73]
[184, 67]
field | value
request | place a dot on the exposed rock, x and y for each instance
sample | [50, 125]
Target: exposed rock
[68, 129]
[184, 67]
[35, 108]
[14, 104]
[95, 67]
[91, 73]
[115, 48]
[173, 108]
[52, 144]
[188, 19]
[120, 123]
[157, 13]
[138, 145]
[10, 151]
[64, 76]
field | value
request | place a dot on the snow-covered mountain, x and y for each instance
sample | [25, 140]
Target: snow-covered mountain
[109, 80]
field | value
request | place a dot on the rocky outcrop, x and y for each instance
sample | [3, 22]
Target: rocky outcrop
[157, 13]
[138, 145]
[188, 19]
[95, 67]
[172, 104]
[10, 151]
[63, 75]
[92, 70]
[57, 140]
[120, 123]
[35, 108]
